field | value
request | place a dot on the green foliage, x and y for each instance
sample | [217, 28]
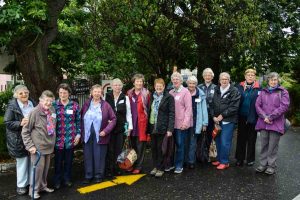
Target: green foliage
[3, 148]
[4, 99]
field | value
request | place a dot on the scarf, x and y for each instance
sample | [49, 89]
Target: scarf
[50, 121]
[248, 86]
[156, 101]
[272, 89]
[144, 93]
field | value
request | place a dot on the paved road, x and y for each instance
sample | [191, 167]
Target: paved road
[204, 182]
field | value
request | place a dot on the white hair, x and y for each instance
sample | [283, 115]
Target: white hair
[177, 75]
[208, 70]
[273, 75]
[192, 79]
[18, 88]
[117, 81]
[224, 74]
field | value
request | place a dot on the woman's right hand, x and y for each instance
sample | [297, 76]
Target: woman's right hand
[24, 121]
[32, 150]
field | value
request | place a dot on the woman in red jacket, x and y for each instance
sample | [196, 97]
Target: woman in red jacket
[139, 98]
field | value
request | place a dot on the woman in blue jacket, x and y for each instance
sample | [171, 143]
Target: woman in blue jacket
[200, 120]
[246, 137]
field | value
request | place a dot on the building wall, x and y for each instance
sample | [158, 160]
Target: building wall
[4, 80]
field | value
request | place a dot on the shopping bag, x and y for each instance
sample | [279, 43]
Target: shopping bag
[127, 157]
[217, 130]
[202, 148]
[213, 149]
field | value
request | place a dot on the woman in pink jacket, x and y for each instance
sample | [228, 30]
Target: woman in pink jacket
[183, 118]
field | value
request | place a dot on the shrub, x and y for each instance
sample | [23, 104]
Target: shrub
[4, 98]
[3, 149]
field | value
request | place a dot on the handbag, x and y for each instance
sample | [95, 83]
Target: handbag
[213, 149]
[287, 125]
[202, 148]
[217, 130]
[127, 157]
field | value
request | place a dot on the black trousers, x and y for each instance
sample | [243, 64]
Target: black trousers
[246, 140]
[156, 148]
[63, 165]
[140, 148]
[114, 149]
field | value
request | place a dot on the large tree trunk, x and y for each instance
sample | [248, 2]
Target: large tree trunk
[31, 54]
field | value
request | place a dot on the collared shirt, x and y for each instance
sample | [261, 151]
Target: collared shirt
[93, 117]
[179, 89]
[25, 109]
[68, 124]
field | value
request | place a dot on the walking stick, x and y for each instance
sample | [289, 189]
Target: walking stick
[34, 169]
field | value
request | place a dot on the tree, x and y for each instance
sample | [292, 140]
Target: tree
[29, 29]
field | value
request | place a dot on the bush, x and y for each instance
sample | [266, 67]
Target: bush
[4, 98]
[3, 149]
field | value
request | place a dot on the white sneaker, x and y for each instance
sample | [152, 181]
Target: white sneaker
[153, 172]
[178, 170]
[169, 169]
[159, 173]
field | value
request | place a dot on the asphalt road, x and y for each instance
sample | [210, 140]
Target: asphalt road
[203, 182]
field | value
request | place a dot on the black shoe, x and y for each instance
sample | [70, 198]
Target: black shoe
[22, 191]
[239, 163]
[87, 181]
[97, 180]
[57, 186]
[68, 183]
[191, 166]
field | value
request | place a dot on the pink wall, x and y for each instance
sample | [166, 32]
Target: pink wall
[3, 81]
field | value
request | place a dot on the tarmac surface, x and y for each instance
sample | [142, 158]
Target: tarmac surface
[203, 182]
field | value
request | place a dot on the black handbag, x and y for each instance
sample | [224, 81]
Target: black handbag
[202, 148]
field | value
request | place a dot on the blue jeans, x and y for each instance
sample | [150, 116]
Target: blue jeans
[223, 142]
[180, 136]
[190, 146]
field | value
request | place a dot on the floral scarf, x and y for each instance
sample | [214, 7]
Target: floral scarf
[145, 98]
[50, 121]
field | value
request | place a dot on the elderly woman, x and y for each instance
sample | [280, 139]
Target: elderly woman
[224, 110]
[200, 120]
[16, 116]
[67, 135]
[271, 105]
[121, 105]
[209, 89]
[162, 114]
[246, 137]
[139, 98]
[183, 118]
[98, 120]
[39, 135]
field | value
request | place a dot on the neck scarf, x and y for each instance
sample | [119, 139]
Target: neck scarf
[248, 85]
[50, 121]
[271, 89]
[156, 102]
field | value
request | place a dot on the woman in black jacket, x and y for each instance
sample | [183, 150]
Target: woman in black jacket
[15, 118]
[161, 124]
[121, 106]
[225, 113]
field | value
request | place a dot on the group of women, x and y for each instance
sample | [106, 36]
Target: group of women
[181, 114]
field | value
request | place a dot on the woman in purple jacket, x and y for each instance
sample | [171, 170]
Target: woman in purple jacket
[271, 105]
[97, 121]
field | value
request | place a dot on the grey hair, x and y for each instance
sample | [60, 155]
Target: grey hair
[46, 93]
[192, 79]
[178, 75]
[227, 75]
[117, 81]
[208, 70]
[18, 88]
[273, 75]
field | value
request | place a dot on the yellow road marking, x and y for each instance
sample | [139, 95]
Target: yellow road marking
[129, 180]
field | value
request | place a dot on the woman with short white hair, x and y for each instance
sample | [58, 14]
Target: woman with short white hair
[121, 105]
[183, 118]
[209, 90]
[200, 120]
[16, 116]
[224, 110]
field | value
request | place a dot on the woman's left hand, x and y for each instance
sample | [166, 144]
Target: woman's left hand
[76, 140]
[102, 134]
